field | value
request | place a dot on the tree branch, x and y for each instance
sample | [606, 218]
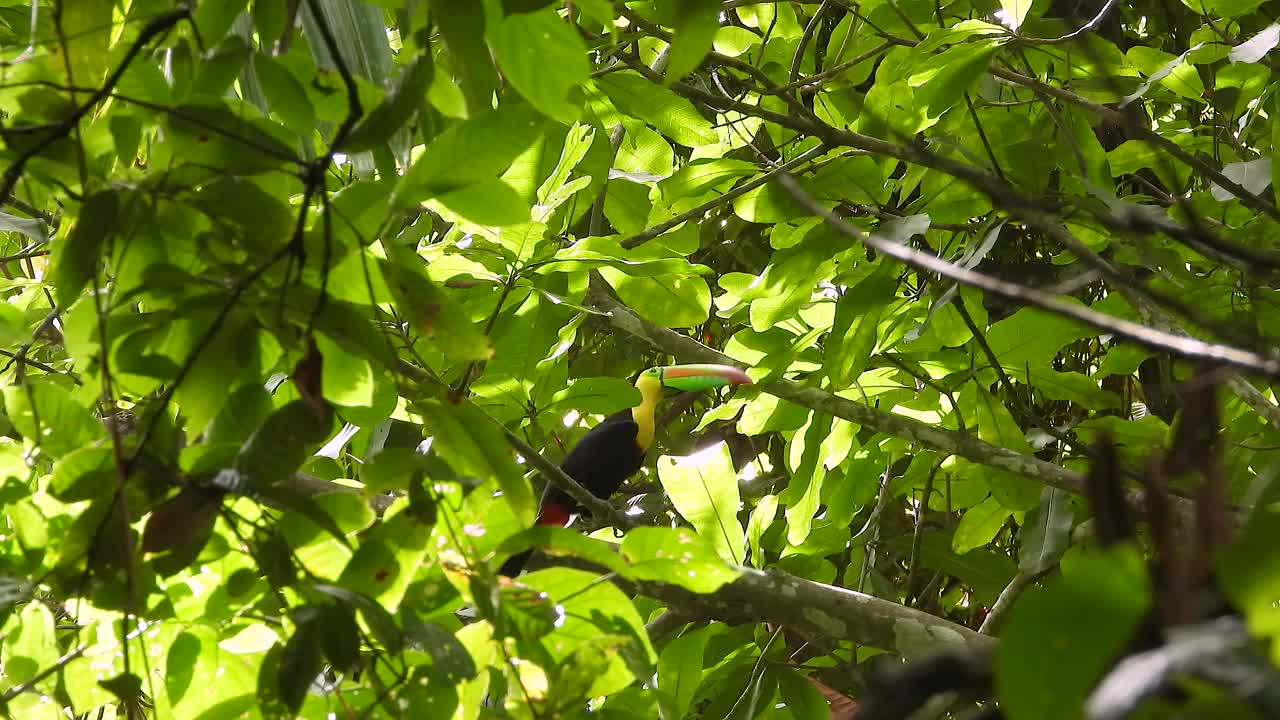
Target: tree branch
[819, 611]
[1158, 339]
[951, 442]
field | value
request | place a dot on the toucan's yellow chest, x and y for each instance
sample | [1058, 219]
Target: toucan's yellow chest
[643, 414]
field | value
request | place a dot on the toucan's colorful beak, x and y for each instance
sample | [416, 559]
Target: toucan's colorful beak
[693, 378]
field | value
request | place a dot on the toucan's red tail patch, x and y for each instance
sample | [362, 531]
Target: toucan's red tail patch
[553, 513]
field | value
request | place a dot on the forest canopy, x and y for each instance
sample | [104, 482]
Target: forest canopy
[307, 303]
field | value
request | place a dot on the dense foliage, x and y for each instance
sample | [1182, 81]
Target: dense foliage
[304, 300]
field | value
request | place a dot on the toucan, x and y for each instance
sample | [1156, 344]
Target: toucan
[614, 450]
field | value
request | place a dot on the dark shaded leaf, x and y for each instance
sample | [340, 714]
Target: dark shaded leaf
[463, 26]
[302, 658]
[280, 445]
[75, 259]
[450, 660]
[184, 520]
[396, 108]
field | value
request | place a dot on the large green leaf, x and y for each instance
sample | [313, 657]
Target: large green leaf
[49, 416]
[77, 258]
[1035, 684]
[678, 118]
[695, 23]
[544, 58]
[855, 331]
[474, 446]
[704, 490]
[474, 151]
[673, 302]
[463, 27]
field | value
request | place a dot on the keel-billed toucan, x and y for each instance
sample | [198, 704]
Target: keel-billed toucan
[614, 450]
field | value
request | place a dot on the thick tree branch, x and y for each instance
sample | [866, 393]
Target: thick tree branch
[818, 611]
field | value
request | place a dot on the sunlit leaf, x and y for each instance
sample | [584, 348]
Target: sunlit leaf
[704, 490]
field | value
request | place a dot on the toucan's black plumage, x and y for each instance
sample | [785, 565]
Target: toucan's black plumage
[614, 450]
[601, 461]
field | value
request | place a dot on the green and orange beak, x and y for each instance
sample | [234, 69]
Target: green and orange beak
[695, 378]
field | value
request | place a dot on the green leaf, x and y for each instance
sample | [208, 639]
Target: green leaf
[396, 108]
[210, 134]
[302, 659]
[1034, 684]
[265, 220]
[31, 645]
[704, 490]
[855, 331]
[1026, 341]
[471, 443]
[85, 28]
[544, 58]
[305, 506]
[339, 513]
[1046, 532]
[381, 622]
[671, 302]
[761, 518]
[649, 260]
[285, 95]
[280, 445]
[449, 658]
[680, 669]
[54, 421]
[770, 203]
[463, 27]
[1015, 12]
[490, 203]
[696, 23]
[676, 556]
[791, 278]
[83, 474]
[33, 228]
[598, 395]
[429, 310]
[388, 559]
[75, 260]
[347, 379]
[808, 460]
[213, 20]
[734, 41]
[698, 176]
[633, 95]
[219, 68]
[589, 609]
[1249, 570]
[395, 468]
[474, 151]
[802, 699]
[979, 525]
[1080, 389]
[943, 80]
[566, 542]
[341, 638]
[986, 572]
